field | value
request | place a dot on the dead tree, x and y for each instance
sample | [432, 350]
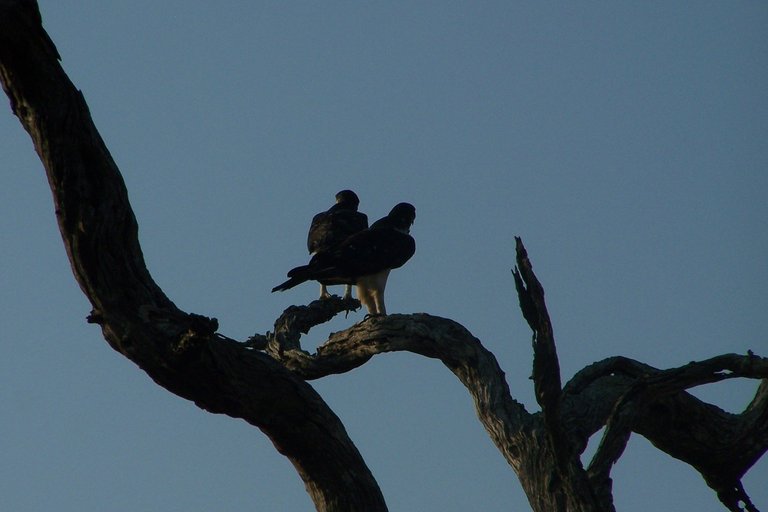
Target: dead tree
[263, 380]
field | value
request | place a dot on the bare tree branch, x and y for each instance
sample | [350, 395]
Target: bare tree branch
[652, 402]
[263, 380]
[546, 367]
[427, 335]
[609, 391]
[547, 384]
[179, 351]
[298, 320]
[519, 436]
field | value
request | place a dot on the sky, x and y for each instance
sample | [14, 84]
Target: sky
[625, 142]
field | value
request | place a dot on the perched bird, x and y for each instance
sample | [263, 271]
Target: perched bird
[333, 226]
[363, 259]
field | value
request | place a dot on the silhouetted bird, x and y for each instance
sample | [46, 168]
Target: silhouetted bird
[363, 259]
[333, 226]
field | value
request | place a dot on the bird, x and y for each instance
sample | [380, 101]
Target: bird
[364, 259]
[333, 226]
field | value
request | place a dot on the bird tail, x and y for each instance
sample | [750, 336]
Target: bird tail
[287, 285]
[297, 276]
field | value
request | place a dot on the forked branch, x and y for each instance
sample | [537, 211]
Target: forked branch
[263, 381]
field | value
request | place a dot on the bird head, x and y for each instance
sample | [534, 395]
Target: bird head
[348, 200]
[402, 216]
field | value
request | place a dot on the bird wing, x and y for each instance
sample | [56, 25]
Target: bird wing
[372, 251]
[365, 253]
[331, 228]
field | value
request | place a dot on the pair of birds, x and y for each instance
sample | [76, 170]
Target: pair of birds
[345, 250]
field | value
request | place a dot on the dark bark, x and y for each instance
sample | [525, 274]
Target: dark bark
[628, 396]
[263, 381]
[179, 351]
[720, 445]
[571, 488]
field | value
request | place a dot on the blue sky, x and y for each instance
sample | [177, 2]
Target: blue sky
[625, 142]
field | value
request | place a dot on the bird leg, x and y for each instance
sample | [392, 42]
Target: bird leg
[378, 300]
[365, 297]
[370, 292]
[380, 281]
[324, 291]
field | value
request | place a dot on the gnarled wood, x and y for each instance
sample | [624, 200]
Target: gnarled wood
[179, 351]
[263, 381]
[606, 393]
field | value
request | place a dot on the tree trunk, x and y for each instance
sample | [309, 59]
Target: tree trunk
[179, 351]
[263, 381]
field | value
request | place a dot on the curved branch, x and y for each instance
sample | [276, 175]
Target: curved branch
[617, 392]
[298, 320]
[429, 336]
[183, 353]
[630, 396]
[519, 436]
[179, 351]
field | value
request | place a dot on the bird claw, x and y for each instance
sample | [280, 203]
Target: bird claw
[349, 305]
[373, 315]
